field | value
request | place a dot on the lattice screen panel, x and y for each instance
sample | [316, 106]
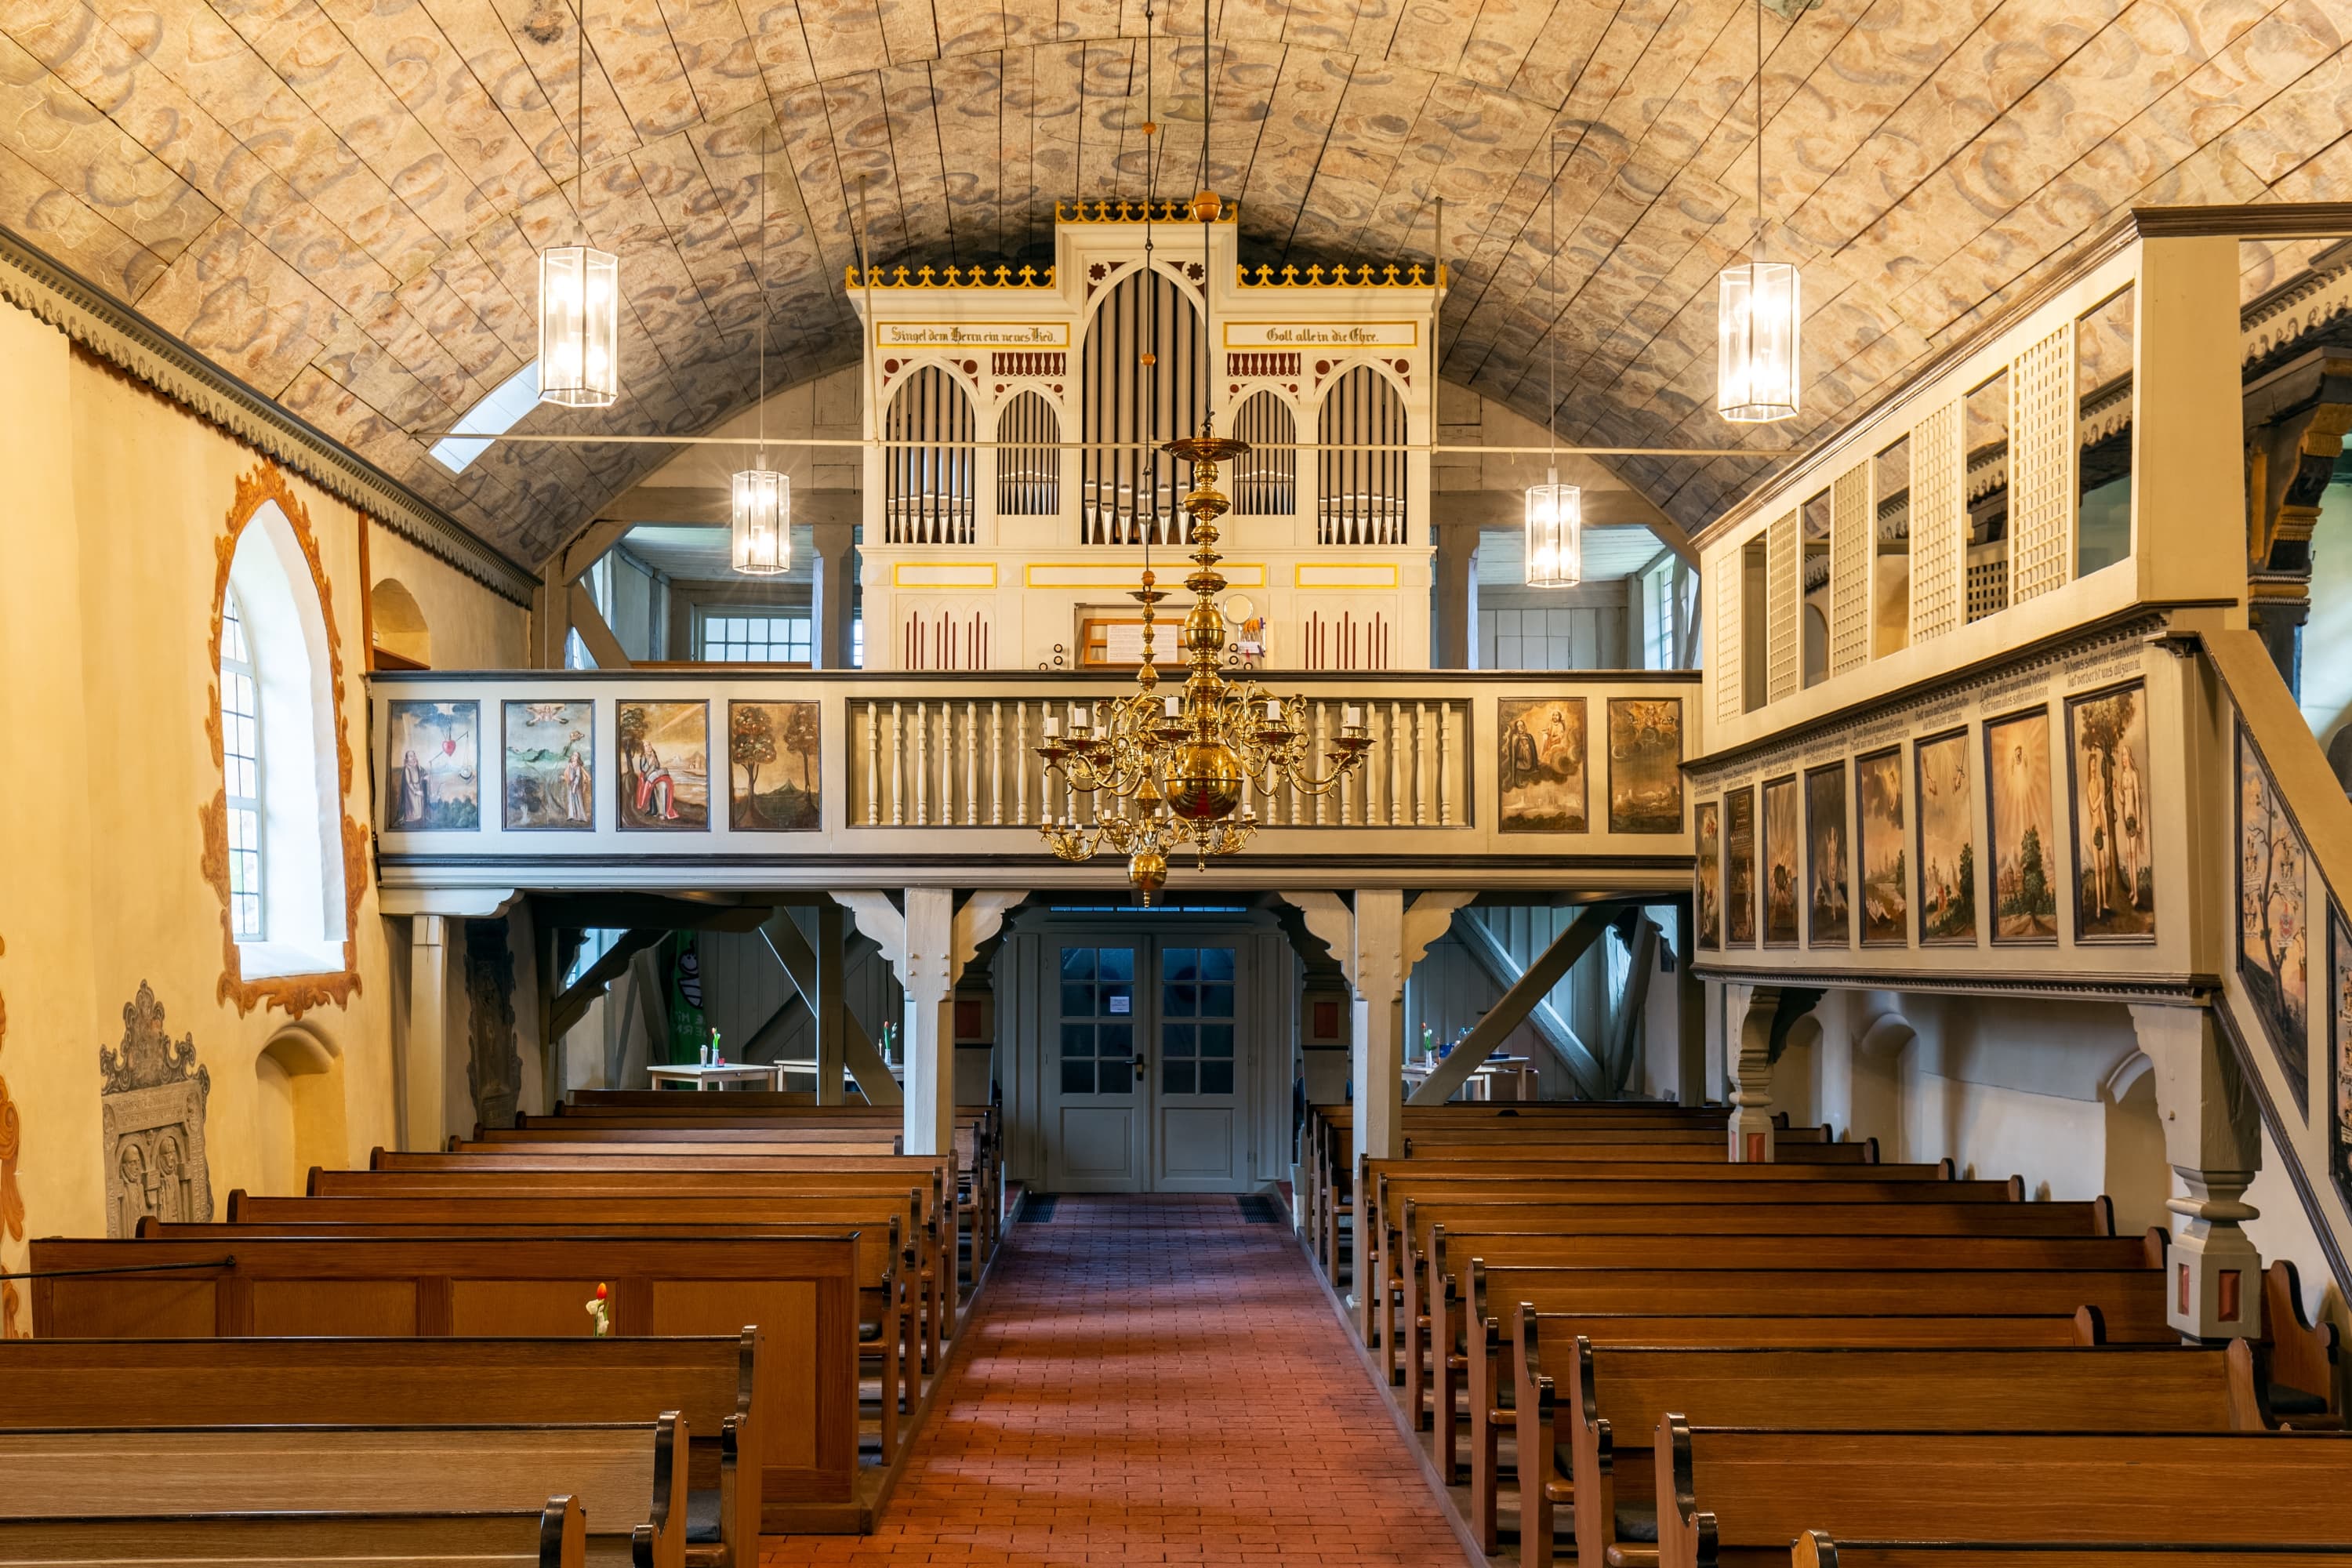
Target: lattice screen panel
[1936, 523]
[2041, 466]
[1853, 538]
[1731, 690]
[1782, 593]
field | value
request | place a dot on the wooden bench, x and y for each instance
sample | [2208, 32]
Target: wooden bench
[710, 1381]
[1616, 1389]
[1860, 1274]
[627, 1478]
[664, 1182]
[1816, 1549]
[1732, 1495]
[801, 1291]
[887, 1322]
[553, 1536]
[1436, 1275]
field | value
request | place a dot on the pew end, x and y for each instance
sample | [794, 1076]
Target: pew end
[2298, 1370]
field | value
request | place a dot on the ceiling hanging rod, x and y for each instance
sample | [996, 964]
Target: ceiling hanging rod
[1446, 447]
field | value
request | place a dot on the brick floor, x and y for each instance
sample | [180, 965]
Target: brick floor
[1153, 1380]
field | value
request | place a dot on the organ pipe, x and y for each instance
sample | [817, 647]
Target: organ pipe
[928, 488]
[1265, 481]
[1363, 499]
[1132, 488]
[1028, 460]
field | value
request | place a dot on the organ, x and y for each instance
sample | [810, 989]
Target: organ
[1007, 514]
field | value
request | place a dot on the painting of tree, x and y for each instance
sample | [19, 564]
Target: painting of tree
[767, 744]
[2115, 872]
[2017, 771]
[1948, 857]
[2273, 960]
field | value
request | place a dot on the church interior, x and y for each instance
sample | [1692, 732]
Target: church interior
[1456, 734]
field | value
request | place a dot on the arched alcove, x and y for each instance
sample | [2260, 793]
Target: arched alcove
[2139, 1176]
[297, 1111]
[299, 789]
[399, 638]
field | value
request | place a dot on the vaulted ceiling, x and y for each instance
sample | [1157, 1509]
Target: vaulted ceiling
[341, 200]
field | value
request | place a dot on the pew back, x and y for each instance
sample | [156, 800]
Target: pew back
[552, 1536]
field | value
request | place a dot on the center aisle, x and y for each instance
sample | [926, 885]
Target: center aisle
[1154, 1380]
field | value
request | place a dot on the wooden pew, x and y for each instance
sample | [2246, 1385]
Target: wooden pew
[1816, 1549]
[887, 1324]
[712, 1382]
[1731, 1495]
[627, 1478]
[552, 1536]
[1870, 1274]
[1623, 1388]
[801, 1291]
[1834, 1237]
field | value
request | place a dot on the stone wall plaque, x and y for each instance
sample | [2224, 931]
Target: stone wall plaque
[151, 1101]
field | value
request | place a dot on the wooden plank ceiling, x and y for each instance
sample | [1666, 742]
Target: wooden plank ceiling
[341, 200]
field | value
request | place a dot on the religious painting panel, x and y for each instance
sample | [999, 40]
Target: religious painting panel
[1739, 867]
[772, 767]
[1878, 832]
[1542, 765]
[433, 774]
[1780, 879]
[2114, 870]
[2339, 1050]
[2024, 829]
[1829, 889]
[1947, 856]
[2273, 958]
[1706, 902]
[664, 752]
[550, 780]
[1645, 765]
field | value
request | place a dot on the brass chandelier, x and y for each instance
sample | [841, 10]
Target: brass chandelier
[1177, 770]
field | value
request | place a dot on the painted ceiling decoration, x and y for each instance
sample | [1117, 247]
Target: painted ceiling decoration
[342, 202]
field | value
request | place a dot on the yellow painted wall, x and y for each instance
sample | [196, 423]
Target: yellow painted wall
[116, 498]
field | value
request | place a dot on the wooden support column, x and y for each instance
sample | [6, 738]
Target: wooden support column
[1457, 594]
[1508, 1013]
[829, 595]
[424, 1057]
[804, 968]
[928, 976]
[1690, 1011]
[2213, 1139]
[831, 1002]
[1764, 1027]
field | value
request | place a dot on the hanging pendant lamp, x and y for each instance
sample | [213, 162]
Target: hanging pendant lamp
[1758, 312]
[1555, 512]
[761, 502]
[578, 291]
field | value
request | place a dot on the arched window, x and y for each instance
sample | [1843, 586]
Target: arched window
[281, 773]
[240, 716]
[1028, 459]
[1265, 478]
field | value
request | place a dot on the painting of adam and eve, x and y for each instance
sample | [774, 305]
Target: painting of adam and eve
[551, 762]
[434, 782]
[664, 754]
[1780, 883]
[1543, 766]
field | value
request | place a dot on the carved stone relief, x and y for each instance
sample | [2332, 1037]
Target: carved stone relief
[152, 1098]
[493, 1065]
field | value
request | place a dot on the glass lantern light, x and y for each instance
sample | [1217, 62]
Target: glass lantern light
[761, 514]
[1756, 331]
[579, 327]
[1555, 534]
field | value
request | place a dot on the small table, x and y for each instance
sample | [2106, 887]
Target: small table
[719, 1076]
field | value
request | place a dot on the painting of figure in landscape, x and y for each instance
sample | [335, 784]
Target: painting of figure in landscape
[1948, 855]
[550, 753]
[2024, 829]
[1708, 900]
[1828, 893]
[1780, 885]
[1739, 867]
[2115, 874]
[1645, 765]
[771, 777]
[2273, 958]
[664, 749]
[2339, 1034]
[1878, 803]
[1542, 765]
[432, 777]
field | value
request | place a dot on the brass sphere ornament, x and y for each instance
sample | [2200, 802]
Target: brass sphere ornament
[1147, 872]
[1205, 782]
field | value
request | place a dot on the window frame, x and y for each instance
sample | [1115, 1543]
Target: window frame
[238, 672]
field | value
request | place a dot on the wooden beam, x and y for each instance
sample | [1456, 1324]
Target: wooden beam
[1508, 1013]
[858, 1054]
[1579, 1065]
[1625, 1028]
[589, 622]
[567, 1009]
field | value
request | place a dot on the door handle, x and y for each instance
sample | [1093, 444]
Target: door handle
[1142, 1070]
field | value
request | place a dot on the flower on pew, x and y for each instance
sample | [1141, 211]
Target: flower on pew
[600, 1312]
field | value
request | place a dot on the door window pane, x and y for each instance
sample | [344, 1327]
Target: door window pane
[1216, 1039]
[1217, 1077]
[1097, 983]
[1176, 1076]
[1196, 982]
[1077, 1078]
